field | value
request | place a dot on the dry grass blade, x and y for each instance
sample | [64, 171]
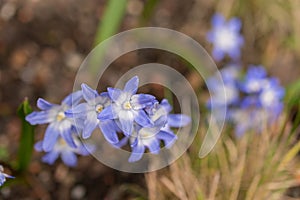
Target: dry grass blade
[253, 186]
[238, 173]
[214, 187]
[151, 179]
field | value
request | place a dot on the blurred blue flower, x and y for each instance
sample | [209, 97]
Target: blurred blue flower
[230, 77]
[255, 79]
[67, 153]
[127, 107]
[253, 102]
[3, 176]
[59, 123]
[225, 37]
[88, 112]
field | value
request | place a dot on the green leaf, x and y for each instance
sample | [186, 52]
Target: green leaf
[148, 11]
[292, 96]
[27, 137]
[111, 19]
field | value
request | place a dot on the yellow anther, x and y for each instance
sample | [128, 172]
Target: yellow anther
[127, 105]
[99, 108]
[60, 116]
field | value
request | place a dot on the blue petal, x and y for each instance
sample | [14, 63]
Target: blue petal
[73, 99]
[234, 53]
[132, 85]
[108, 129]
[114, 93]
[218, 20]
[39, 146]
[89, 127]
[78, 111]
[104, 94]
[126, 123]
[86, 149]
[165, 104]
[121, 143]
[256, 72]
[88, 93]
[153, 145]
[235, 24]
[210, 36]
[43, 104]
[66, 134]
[41, 117]
[142, 119]
[137, 153]
[218, 54]
[107, 113]
[161, 121]
[168, 138]
[2, 178]
[50, 157]
[8, 176]
[50, 137]
[240, 130]
[178, 120]
[69, 158]
[140, 101]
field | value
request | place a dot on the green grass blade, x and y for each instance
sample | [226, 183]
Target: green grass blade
[148, 11]
[111, 20]
[27, 137]
[292, 96]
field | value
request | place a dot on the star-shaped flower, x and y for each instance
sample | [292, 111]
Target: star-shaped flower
[59, 123]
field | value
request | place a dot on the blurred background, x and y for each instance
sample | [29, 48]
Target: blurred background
[43, 43]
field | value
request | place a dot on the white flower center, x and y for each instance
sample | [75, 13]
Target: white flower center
[60, 116]
[225, 39]
[268, 98]
[99, 108]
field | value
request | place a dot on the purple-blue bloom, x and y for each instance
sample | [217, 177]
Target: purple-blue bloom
[257, 101]
[255, 79]
[143, 121]
[3, 176]
[151, 137]
[59, 123]
[230, 76]
[63, 150]
[127, 107]
[225, 37]
[88, 112]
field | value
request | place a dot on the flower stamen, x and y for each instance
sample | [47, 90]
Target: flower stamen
[60, 116]
[127, 105]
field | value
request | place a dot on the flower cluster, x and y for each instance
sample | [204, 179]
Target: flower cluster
[3, 176]
[141, 119]
[225, 37]
[253, 101]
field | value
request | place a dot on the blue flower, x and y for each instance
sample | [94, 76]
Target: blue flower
[246, 119]
[127, 107]
[225, 37]
[151, 137]
[67, 153]
[230, 88]
[271, 97]
[59, 123]
[3, 176]
[255, 79]
[257, 101]
[88, 112]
